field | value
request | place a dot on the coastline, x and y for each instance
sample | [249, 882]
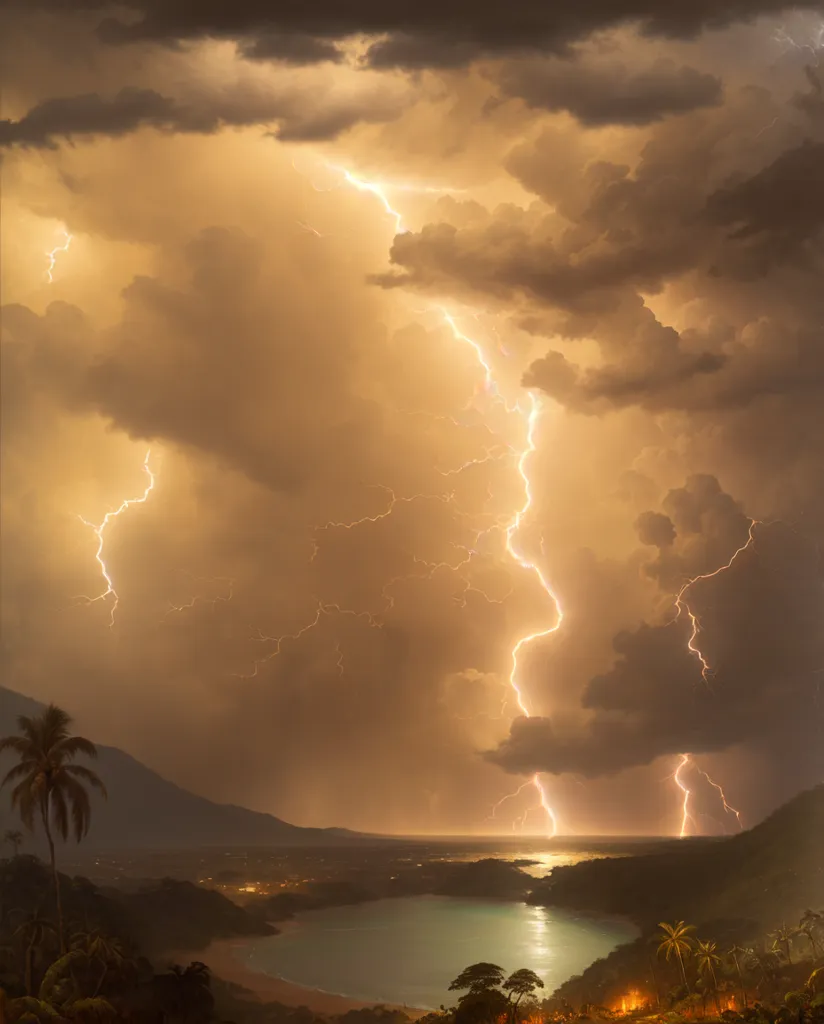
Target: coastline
[222, 960]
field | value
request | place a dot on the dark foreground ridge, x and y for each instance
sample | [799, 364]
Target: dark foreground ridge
[733, 891]
[146, 811]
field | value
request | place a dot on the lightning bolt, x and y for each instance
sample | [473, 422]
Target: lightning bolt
[323, 609]
[681, 605]
[52, 256]
[213, 601]
[814, 43]
[686, 817]
[100, 531]
[706, 671]
[531, 416]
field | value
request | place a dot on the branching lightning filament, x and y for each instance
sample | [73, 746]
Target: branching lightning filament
[692, 644]
[52, 256]
[681, 604]
[530, 415]
[100, 533]
[687, 818]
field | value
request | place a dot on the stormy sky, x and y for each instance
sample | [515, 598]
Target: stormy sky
[415, 307]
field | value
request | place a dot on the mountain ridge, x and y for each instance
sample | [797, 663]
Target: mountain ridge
[145, 810]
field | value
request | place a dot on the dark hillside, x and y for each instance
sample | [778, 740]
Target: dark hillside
[769, 874]
[147, 811]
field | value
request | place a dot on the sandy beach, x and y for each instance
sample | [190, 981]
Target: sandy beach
[222, 959]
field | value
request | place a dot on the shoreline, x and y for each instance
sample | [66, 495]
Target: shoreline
[221, 959]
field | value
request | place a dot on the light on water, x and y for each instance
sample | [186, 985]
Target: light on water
[406, 951]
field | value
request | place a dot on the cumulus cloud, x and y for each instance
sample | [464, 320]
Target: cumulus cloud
[296, 117]
[613, 93]
[427, 34]
[759, 630]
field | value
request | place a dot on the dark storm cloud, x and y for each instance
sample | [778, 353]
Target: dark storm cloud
[612, 387]
[613, 94]
[290, 48]
[783, 204]
[760, 629]
[430, 33]
[655, 528]
[298, 118]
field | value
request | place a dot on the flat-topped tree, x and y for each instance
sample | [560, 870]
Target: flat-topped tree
[48, 786]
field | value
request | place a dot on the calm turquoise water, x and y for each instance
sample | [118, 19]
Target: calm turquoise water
[406, 951]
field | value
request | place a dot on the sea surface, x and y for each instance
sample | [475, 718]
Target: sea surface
[407, 951]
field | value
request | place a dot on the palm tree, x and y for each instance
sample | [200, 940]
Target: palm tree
[32, 931]
[676, 942]
[809, 924]
[707, 959]
[782, 941]
[48, 784]
[185, 992]
[735, 952]
[14, 837]
[107, 951]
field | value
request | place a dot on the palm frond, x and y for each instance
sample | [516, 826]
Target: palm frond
[71, 746]
[18, 771]
[59, 811]
[24, 802]
[82, 772]
[19, 744]
[80, 805]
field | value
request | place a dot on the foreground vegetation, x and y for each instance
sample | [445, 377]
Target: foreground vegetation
[779, 983]
[71, 952]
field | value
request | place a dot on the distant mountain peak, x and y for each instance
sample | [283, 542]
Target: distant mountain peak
[146, 810]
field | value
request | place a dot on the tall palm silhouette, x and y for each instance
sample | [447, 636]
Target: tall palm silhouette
[676, 942]
[783, 941]
[738, 953]
[49, 785]
[810, 923]
[707, 957]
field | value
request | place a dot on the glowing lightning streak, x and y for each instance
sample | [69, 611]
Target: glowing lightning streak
[99, 532]
[52, 256]
[531, 423]
[511, 532]
[681, 605]
[686, 817]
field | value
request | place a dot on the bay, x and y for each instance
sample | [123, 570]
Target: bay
[406, 951]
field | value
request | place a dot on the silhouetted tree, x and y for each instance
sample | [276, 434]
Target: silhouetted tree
[521, 983]
[49, 785]
[478, 978]
[676, 942]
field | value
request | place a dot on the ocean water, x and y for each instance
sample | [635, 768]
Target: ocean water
[406, 951]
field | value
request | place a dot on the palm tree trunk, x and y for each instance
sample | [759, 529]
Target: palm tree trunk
[44, 812]
[100, 981]
[655, 982]
[29, 967]
[683, 972]
[715, 989]
[740, 981]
